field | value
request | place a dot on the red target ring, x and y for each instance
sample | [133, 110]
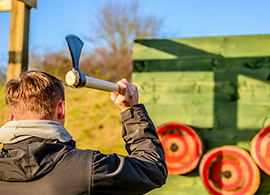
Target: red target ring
[231, 164]
[183, 147]
[260, 149]
[175, 153]
[229, 170]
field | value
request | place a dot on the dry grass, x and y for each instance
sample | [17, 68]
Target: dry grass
[91, 117]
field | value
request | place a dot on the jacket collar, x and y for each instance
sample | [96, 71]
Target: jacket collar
[16, 131]
[28, 141]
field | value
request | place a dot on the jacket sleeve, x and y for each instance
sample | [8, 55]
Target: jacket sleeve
[139, 172]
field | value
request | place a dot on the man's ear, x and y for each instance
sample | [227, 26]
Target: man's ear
[11, 117]
[61, 111]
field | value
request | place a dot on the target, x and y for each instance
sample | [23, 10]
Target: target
[229, 170]
[183, 147]
[260, 149]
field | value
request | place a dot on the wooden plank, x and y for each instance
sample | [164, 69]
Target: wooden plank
[30, 3]
[253, 116]
[185, 98]
[173, 82]
[202, 115]
[182, 109]
[172, 76]
[245, 82]
[178, 87]
[250, 110]
[229, 46]
[255, 97]
[184, 185]
[253, 63]
[228, 136]
[238, 65]
[197, 64]
[5, 5]
[192, 87]
[231, 74]
[196, 115]
[251, 91]
[19, 39]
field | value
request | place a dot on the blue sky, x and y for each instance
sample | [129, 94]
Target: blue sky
[52, 20]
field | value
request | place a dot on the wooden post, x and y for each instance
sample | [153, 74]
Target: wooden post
[19, 37]
[5, 5]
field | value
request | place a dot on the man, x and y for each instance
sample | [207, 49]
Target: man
[39, 155]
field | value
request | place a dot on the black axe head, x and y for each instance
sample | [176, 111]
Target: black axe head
[75, 45]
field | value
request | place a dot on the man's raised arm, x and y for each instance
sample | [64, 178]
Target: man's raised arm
[144, 168]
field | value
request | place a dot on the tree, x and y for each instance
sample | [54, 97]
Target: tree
[55, 63]
[117, 26]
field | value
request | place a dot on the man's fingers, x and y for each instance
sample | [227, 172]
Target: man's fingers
[127, 96]
[122, 86]
[125, 89]
[133, 90]
[114, 96]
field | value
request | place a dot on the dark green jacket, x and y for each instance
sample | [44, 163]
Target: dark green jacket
[38, 166]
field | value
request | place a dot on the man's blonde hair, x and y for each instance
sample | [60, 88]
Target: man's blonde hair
[34, 94]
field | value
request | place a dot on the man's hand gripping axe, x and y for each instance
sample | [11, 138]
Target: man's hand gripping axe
[75, 78]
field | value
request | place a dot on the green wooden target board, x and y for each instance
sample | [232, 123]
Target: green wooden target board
[217, 85]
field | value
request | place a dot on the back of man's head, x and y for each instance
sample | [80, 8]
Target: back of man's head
[34, 95]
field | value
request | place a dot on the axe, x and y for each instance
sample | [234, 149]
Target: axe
[75, 78]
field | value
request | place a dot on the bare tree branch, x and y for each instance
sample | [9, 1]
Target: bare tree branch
[118, 25]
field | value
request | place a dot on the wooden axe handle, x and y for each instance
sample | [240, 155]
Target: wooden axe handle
[72, 79]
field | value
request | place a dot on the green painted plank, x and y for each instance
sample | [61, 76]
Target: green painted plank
[229, 46]
[249, 117]
[252, 91]
[254, 122]
[251, 110]
[203, 88]
[256, 97]
[182, 185]
[185, 98]
[232, 74]
[172, 76]
[203, 64]
[212, 139]
[173, 82]
[252, 116]
[176, 87]
[182, 109]
[245, 82]
[191, 64]
[238, 62]
[199, 120]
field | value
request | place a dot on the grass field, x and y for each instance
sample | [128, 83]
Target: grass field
[91, 117]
